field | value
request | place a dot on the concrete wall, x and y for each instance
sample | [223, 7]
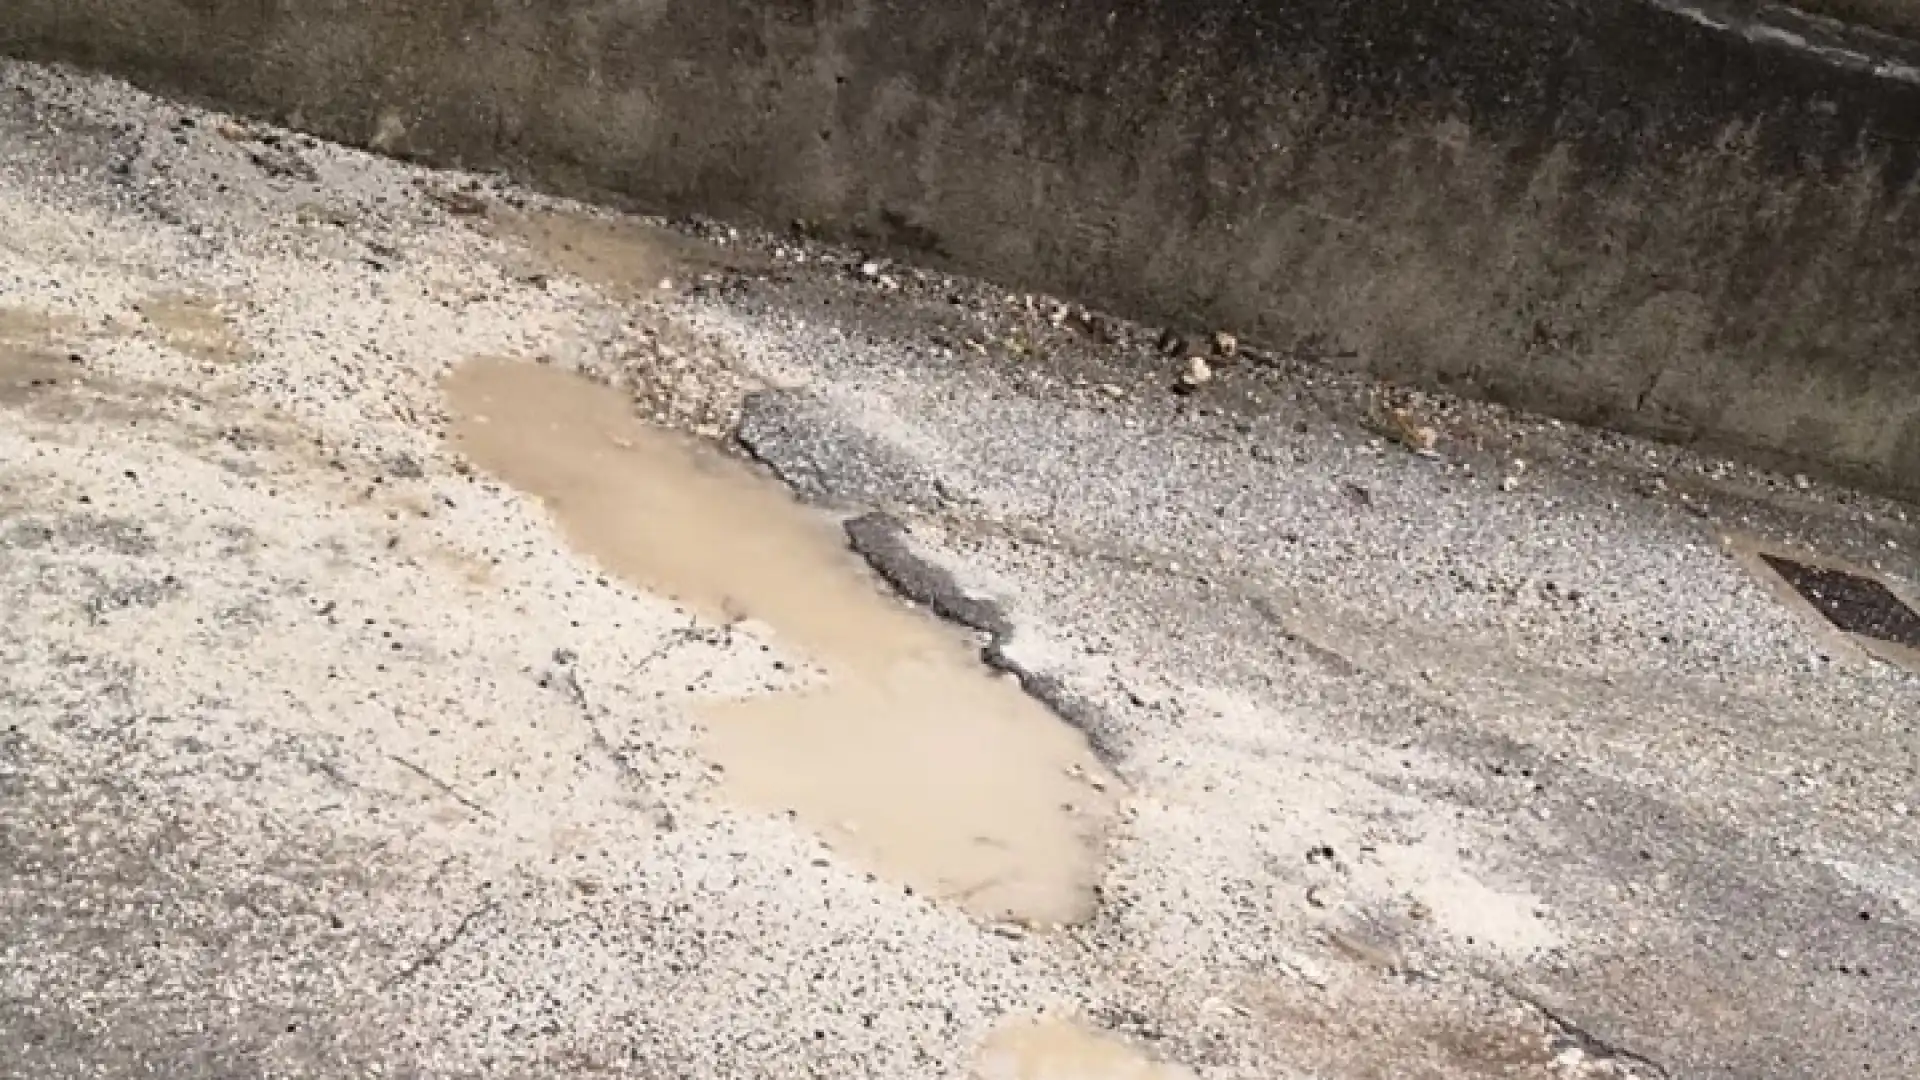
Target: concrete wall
[1672, 221]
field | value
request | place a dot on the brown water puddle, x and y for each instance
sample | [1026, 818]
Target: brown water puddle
[1057, 1050]
[914, 756]
[48, 385]
[622, 255]
[194, 326]
[28, 375]
[32, 327]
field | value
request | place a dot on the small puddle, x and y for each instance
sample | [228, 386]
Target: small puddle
[50, 386]
[27, 326]
[621, 255]
[29, 374]
[1057, 1050]
[913, 755]
[193, 326]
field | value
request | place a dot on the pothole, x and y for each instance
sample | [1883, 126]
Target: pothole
[626, 257]
[194, 326]
[29, 327]
[913, 757]
[53, 387]
[677, 378]
[1046, 1049]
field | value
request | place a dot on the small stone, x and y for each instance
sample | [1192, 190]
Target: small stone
[452, 200]
[1509, 483]
[1198, 371]
[1098, 326]
[1800, 481]
[1225, 344]
[1406, 429]
[1307, 972]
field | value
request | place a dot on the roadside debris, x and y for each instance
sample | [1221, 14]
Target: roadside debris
[1400, 424]
[460, 202]
[1198, 374]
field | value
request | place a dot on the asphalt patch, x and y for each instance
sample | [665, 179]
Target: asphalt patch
[1853, 603]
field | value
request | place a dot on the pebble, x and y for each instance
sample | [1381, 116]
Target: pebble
[1306, 971]
[1570, 1058]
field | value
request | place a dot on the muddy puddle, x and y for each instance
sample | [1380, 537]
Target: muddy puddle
[624, 256]
[21, 326]
[48, 383]
[194, 326]
[29, 374]
[912, 756]
[1058, 1050]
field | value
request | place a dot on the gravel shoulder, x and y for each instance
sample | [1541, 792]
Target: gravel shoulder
[1442, 742]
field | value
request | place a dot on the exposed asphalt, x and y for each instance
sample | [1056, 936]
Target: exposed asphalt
[323, 755]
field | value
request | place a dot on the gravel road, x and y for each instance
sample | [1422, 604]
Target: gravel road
[349, 732]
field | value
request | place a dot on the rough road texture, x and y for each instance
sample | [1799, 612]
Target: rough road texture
[323, 756]
[1696, 219]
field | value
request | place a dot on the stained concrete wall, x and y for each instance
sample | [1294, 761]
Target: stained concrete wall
[1698, 223]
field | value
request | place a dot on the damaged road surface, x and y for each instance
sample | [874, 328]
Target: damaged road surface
[454, 633]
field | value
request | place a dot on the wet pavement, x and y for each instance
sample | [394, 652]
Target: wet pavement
[905, 748]
[456, 633]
